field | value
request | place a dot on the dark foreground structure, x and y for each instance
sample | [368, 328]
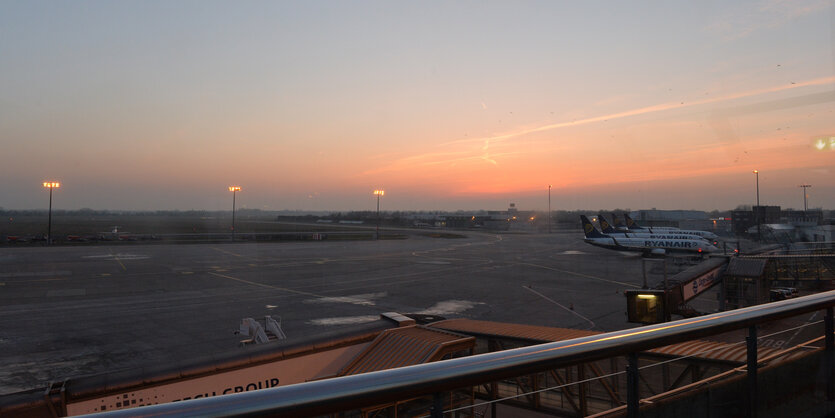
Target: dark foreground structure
[462, 367]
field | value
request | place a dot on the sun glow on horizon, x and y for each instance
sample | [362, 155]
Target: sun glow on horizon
[603, 150]
[468, 110]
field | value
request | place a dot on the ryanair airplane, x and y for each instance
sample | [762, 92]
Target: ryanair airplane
[608, 230]
[633, 226]
[647, 245]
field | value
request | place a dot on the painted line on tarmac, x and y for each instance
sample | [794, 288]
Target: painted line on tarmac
[580, 275]
[116, 257]
[266, 286]
[344, 320]
[35, 274]
[365, 299]
[450, 307]
[111, 256]
[359, 284]
[571, 311]
[38, 280]
[234, 254]
[120, 263]
[388, 280]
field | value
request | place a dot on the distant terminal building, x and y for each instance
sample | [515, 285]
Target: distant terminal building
[790, 224]
[426, 219]
[743, 220]
[825, 233]
[684, 219]
[512, 218]
[511, 213]
[649, 215]
[802, 218]
[767, 214]
[719, 226]
[459, 221]
[496, 220]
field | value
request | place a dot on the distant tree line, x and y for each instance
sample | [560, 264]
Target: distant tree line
[557, 216]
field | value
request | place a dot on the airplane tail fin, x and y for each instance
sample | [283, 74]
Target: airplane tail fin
[605, 227]
[630, 223]
[617, 221]
[588, 228]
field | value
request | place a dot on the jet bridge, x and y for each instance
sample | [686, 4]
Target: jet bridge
[746, 281]
[650, 306]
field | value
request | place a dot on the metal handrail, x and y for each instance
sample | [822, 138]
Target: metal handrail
[381, 387]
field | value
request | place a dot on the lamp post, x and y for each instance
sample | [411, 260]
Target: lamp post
[379, 193]
[549, 208]
[233, 189]
[804, 186]
[50, 185]
[757, 211]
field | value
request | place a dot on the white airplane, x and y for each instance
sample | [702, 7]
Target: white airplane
[633, 226]
[607, 229]
[114, 234]
[646, 245]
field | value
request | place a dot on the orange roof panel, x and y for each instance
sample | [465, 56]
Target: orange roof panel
[705, 350]
[405, 346]
[517, 331]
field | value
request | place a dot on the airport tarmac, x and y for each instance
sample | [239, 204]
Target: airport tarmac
[72, 311]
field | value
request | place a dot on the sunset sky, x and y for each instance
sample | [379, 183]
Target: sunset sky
[445, 105]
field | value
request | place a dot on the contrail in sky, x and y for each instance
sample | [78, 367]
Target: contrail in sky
[652, 109]
[464, 155]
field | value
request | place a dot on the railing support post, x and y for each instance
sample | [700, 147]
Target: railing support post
[632, 401]
[581, 376]
[751, 343]
[829, 351]
[437, 405]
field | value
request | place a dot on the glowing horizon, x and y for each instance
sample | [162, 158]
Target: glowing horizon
[310, 106]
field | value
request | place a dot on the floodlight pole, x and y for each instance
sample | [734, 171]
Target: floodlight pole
[549, 208]
[50, 185]
[757, 212]
[804, 186]
[234, 190]
[49, 222]
[378, 193]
